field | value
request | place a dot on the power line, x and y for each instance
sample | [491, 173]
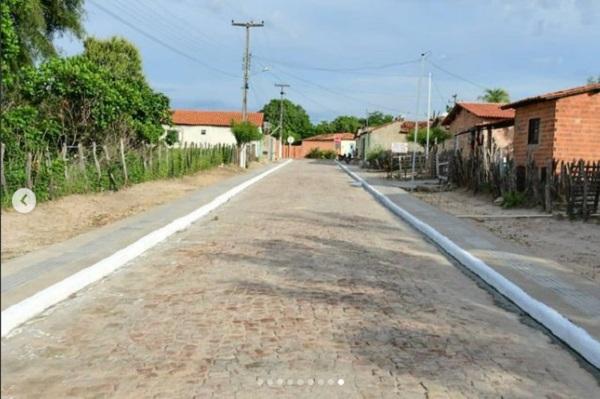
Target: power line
[355, 69]
[161, 42]
[362, 101]
[456, 76]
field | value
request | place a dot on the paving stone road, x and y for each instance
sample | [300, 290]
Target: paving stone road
[301, 286]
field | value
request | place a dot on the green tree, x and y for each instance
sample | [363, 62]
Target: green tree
[33, 24]
[346, 123]
[377, 118]
[116, 54]
[435, 133]
[324, 127]
[592, 80]
[295, 118]
[245, 132]
[497, 95]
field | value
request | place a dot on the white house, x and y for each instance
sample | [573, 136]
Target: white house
[211, 127]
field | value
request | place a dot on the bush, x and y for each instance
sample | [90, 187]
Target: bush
[513, 199]
[317, 153]
[245, 132]
[378, 158]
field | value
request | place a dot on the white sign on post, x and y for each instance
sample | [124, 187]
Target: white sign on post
[290, 139]
[400, 148]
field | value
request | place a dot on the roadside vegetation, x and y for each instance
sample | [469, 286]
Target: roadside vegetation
[317, 153]
[88, 122]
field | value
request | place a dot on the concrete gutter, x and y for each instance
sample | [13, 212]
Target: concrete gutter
[19, 313]
[574, 336]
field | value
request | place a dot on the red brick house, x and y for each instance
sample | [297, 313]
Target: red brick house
[562, 125]
[344, 145]
[479, 124]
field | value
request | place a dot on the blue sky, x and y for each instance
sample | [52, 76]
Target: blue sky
[350, 56]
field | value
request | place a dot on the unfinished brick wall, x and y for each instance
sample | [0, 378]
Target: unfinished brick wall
[569, 130]
[463, 121]
[578, 128]
[542, 151]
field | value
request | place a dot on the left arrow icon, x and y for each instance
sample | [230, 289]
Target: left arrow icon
[24, 200]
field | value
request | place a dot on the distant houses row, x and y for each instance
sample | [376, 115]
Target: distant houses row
[562, 125]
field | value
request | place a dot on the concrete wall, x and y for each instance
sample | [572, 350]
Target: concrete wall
[383, 137]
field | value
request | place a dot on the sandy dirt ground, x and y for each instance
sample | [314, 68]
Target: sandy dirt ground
[315, 291]
[573, 244]
[56, 221]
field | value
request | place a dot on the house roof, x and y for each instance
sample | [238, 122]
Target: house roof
[591, 88]
[481, 110]
[212, 118]
[330, 137]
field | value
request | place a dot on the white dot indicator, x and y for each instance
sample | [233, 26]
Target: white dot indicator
[341, 381]
[310, 381]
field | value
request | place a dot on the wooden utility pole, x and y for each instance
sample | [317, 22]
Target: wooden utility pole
[246, 25]
[281, 86]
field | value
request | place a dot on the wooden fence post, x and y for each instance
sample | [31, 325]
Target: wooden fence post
[29, 183]
[584, 177]
[96, 160]
[64, 158]
[106, 154]
[2, 177]
[548, 185]
[81, 157]
[122, 150]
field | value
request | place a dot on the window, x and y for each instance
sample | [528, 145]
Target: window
[533, 136]
[203, 131]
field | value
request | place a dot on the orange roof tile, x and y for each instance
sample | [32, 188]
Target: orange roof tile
[481, 110]
[591, 88]
[213, 118]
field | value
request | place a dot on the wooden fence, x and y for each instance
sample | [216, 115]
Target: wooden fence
[570, 186]
[78, 169]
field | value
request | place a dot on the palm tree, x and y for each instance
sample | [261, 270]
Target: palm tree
[497, 95]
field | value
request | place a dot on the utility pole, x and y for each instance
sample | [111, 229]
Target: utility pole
[246, 25]
[428, 117]
[414, 155]
[281, 86]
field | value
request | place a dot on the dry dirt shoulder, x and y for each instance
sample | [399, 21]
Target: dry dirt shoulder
[574, 244]
[56, 221]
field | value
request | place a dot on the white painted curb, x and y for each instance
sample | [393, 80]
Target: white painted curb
[574, 336]
[19, 313]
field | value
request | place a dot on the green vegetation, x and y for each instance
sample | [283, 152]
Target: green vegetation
[245, 132]
[497, 95]
[375, 153]
[435, 133]
[295, 118]
[54, 175]
[317, 153]
[513, 199]
[593, 79]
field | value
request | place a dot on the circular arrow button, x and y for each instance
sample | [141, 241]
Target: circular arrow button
[23, 200]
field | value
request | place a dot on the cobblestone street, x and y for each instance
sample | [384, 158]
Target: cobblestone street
[301, 286]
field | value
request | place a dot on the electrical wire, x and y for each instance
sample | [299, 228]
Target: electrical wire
[161, 42]
[455, 75]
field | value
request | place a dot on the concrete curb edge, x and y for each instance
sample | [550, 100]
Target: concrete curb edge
[574, 336]
[28, 308]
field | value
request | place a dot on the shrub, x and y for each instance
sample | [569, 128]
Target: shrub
[513, 199]
[317, 153]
